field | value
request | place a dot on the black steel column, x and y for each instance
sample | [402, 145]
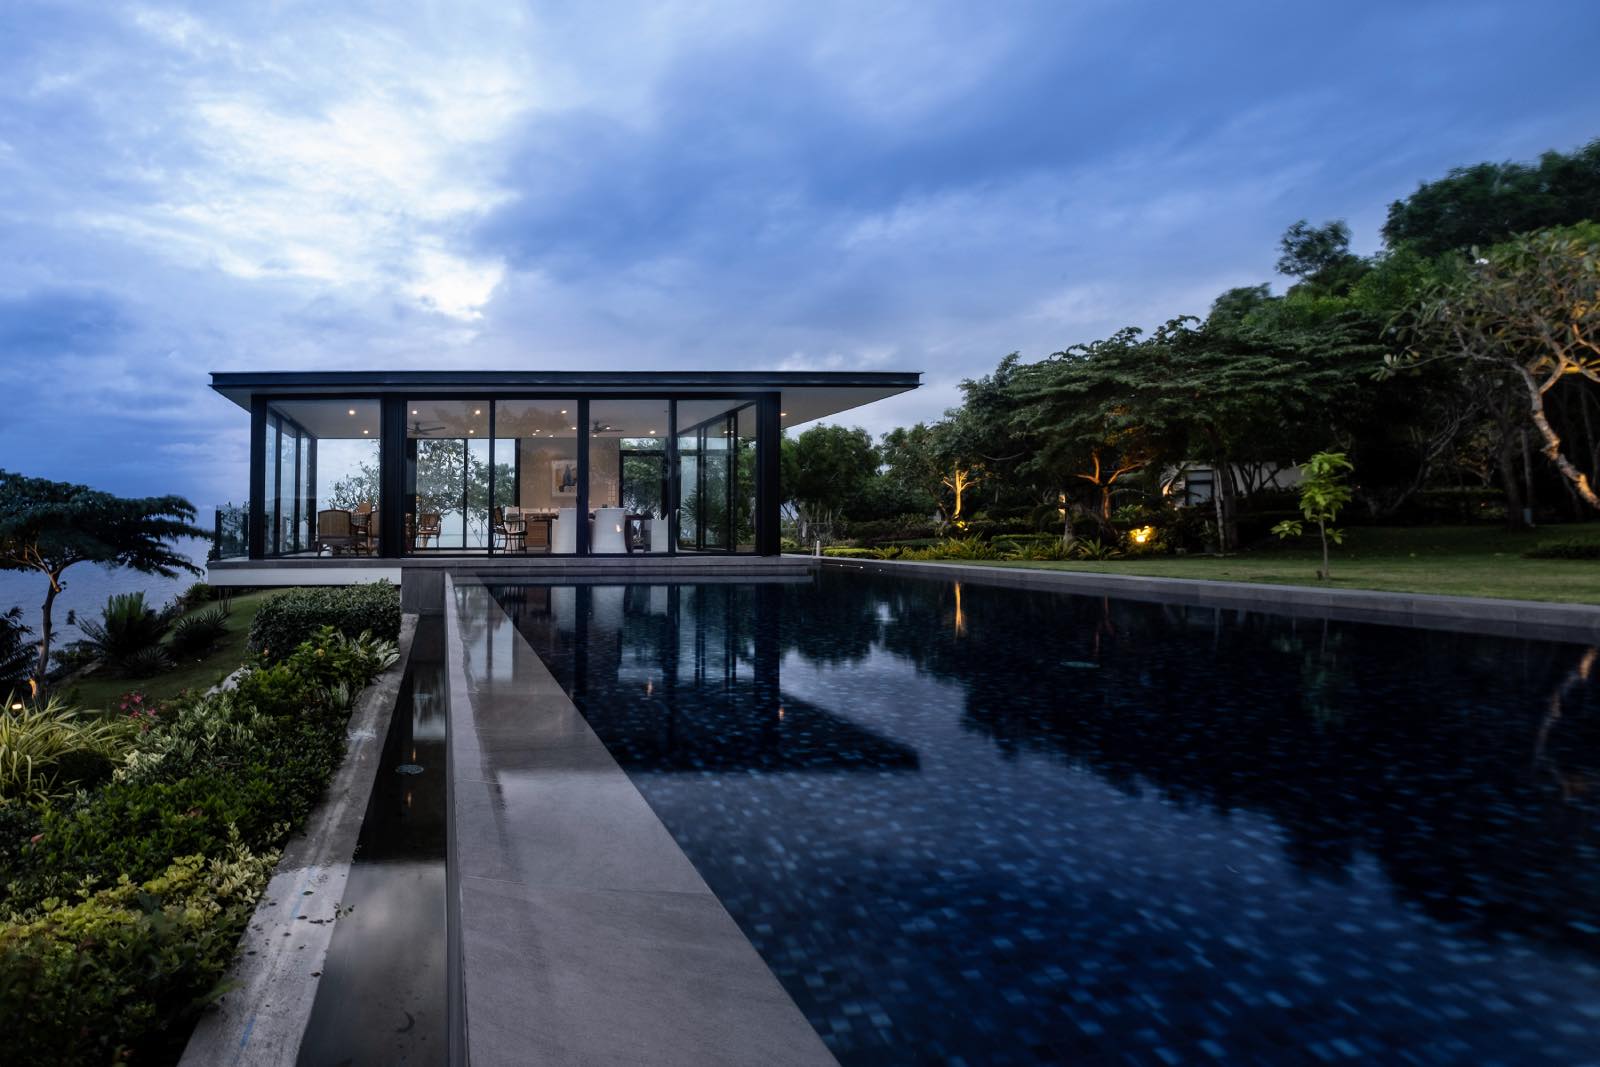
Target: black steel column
[256, 523]
[769, 473]
[581, 544]
[392, 477]
[670, 483]
[494, 501]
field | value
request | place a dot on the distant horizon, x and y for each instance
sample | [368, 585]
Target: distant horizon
[698, 186]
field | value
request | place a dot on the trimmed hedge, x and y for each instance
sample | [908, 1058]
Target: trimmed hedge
[291, 617]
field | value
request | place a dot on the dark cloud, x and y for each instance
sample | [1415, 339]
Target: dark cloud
[53, 323]
[926, 186]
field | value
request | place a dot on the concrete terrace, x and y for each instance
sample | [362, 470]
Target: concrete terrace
[583, 933]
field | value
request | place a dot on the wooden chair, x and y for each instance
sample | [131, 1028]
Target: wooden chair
[364, 526]
[335, 531]
[429, 523]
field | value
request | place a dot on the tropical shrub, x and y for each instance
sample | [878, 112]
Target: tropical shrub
[955, 548]
[16, 653]
[126, 901]
[194, 635]
[293, 616]
[1094, 551]
[1052, 549]
[840, 552]
[50, 750]
[144, 663]
[79, 980]
[126, 631]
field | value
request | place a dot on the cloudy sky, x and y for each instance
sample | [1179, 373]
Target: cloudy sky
[926, 186]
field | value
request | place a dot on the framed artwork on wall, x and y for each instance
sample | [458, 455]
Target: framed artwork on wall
[564, 479]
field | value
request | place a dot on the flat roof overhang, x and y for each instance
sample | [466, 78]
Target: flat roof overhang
[805, 395]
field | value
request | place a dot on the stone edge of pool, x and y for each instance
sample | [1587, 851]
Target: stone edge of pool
[616, 950]
[273, 982]
[1515, 618]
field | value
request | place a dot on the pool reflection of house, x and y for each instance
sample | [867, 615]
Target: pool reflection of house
[687, 678]
[357, 475]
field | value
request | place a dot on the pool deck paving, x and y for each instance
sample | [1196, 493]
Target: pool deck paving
[584, 934]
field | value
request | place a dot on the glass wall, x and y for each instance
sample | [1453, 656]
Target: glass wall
[447, 475]
[628, 487]
[480, 475]
[716, 457]
[537, 447]
[322, 485]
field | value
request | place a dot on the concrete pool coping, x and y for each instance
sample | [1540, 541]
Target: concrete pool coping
[1487, 615]
[581, 933]
[273, 981]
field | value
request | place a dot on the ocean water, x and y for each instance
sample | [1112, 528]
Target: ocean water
[85, 588]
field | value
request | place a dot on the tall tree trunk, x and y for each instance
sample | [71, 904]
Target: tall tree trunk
[41, 671]
[1510, 485]
[1216, 504]
[1527, 481]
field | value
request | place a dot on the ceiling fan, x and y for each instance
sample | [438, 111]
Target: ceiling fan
[419, 430]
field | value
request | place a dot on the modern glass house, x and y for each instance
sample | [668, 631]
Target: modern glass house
[428, 464]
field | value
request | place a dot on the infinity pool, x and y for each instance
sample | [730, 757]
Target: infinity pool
[970, 824]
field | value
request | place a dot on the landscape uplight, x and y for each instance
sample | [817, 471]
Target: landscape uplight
[1142, 534]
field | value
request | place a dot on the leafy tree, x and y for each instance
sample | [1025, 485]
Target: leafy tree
[1527, 311]
[1097, 417]
[1309, 250]
[1487, 203]
[911, 465]
[825, 469]
[49, 526]
[1324, 492]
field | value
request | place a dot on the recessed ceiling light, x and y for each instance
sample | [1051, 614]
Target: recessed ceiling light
[783, 414]
[413, 411]
[366, 431]
[477, 411]
[352, 411]
[563, 411]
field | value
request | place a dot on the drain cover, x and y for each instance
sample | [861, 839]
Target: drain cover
[408, 768]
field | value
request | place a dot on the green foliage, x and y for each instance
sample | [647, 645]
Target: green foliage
[194, 635]
[145, 663]
[127, 901]
[1572, 549]
[826, 469]
[1487, 203]
[842, 552]
[48, 527]
[127, 626]
[289, 618]
[48, 750]
[1324, 491]
[16, 656]
[125, 965]
[955, 548]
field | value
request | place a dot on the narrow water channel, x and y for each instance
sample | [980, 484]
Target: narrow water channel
[382, 993]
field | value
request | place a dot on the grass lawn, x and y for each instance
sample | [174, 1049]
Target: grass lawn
[223, 660]
[1456, 560]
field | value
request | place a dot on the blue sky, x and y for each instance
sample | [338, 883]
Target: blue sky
[460, 185]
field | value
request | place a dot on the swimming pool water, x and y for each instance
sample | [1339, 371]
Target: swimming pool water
[971, 824]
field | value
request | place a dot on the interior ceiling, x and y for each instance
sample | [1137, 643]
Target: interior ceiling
[332, 419]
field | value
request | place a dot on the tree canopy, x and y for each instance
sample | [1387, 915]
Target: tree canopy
[48, 526]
